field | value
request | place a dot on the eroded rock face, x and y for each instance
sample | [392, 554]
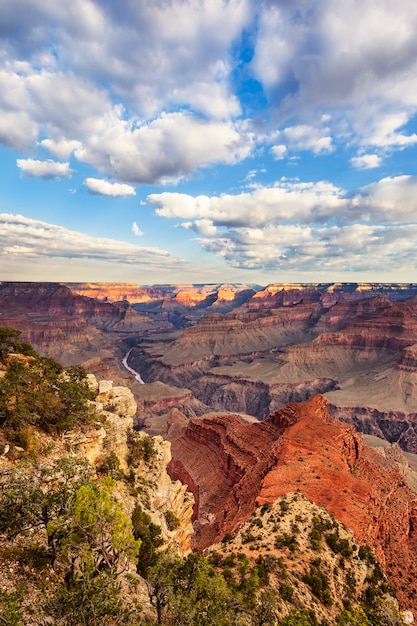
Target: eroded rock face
[114, 409]
[232, 467]
[64, 325]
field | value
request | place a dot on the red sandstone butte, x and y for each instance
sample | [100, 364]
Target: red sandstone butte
[233, 466]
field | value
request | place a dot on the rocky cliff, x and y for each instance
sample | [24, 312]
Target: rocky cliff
[253, 353]
[232, 467]
[67, 326]
[110, 437]
[360, 353]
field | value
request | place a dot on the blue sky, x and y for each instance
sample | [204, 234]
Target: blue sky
[208, 140]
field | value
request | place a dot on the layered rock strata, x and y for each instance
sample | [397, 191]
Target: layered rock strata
[232, 467]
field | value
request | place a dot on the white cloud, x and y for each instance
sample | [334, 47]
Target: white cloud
[62, 148]
[136, 230]
[44, 169]
[366, 161]
[167, 149]
[391, 199]
[279, 152]
[355, 60]
[105, 188]
[297, 226]
[33, 239]
[286, 201]
[17, 130]
[301, 137]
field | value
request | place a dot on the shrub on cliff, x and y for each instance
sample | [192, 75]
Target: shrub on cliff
[38, 391]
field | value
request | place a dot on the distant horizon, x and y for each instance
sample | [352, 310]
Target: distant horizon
[208, 141]
[211, 284]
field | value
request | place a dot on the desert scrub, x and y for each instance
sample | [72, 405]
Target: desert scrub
[172, 520]
[141, 448]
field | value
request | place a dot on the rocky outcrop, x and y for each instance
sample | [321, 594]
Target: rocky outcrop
[109, 436]
[232, 467]
[67, 326]
[359, 352]
[394, 426]
[354, 342]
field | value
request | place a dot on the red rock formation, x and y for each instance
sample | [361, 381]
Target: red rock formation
[67, 326]
[232, 467]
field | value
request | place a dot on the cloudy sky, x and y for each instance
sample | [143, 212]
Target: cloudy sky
[208, 140]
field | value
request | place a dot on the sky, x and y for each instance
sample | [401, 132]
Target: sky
[207, 141]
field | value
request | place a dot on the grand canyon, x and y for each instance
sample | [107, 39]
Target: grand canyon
[261, 392]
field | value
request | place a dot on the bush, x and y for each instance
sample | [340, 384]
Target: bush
[38, 392]
[319, 585]
[286, 592]
[172, 520]
[141, 448]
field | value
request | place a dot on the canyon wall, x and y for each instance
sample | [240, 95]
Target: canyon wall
[232, 467]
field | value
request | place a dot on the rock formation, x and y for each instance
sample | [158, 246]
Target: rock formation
[66, 326]
[238, 348]
[359, 352]
[232, 467]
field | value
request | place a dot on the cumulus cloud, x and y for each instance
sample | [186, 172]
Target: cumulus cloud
[366, 161]
[164, 81]
[44, 169]
[21, 236]
[296, 225]
[61, 148]
[285, 202]
[105, 188]
[355, 60]
[279, 152]
[136, 230]
[302, 137]
[167, 149]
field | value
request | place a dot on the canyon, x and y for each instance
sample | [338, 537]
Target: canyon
[260, 392]
[236, 348]
[232, 467]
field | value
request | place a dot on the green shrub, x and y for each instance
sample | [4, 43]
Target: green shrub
[172, 520]
[141, 448]
[286, 591]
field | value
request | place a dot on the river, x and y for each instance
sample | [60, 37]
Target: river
[131, 370]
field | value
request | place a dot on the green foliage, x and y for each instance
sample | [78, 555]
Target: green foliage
[32, 496]
[8, 341]
[286, 591]
[172, 520]
[353, 617]
[338, 545]
[95, 527]
[91, 598]
[384, 613]
[111, 466]
[141, 448]
[366, 554]
[298, 618]
[290, 541]
[38, 392]
[319, 585]
[319, 526]
[284, 506]
[10, 607]
[195, 594]
[150, 537]
[265, 612]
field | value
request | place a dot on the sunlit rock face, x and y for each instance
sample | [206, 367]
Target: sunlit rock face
[232, 467]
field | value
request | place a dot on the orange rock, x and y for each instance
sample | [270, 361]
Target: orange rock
[232, 467]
